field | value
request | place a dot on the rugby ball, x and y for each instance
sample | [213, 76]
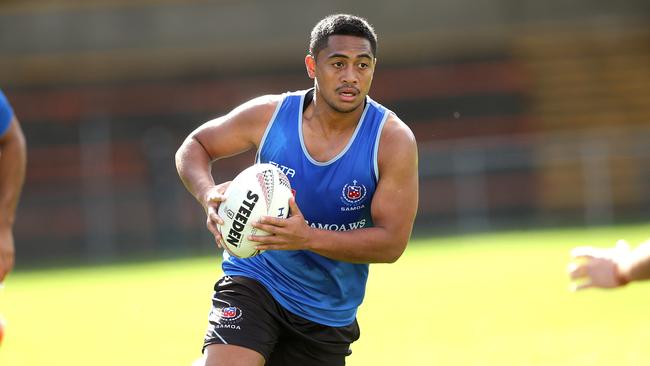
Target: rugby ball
[259, 190]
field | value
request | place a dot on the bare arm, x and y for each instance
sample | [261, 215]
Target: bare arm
[13, 159]
[610, 267]
[234, 133]
[636, 266]
[394, 206]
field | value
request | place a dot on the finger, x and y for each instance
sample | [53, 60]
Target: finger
[270, 229]
[214, 216]
[584, 252]
[270, 246]
[215, 230]
[582, 286]
[576, 271]
[219, 241]
[270, 221]
[294, 210]
[265, 247]
[215, 197]
[212, 227]
[265, 239]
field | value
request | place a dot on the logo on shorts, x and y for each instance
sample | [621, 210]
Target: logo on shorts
[229, 314]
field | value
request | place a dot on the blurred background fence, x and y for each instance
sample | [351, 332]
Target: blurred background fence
[527, 113]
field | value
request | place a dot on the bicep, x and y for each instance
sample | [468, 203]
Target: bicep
[222, 137]
[236, 132]
[395, 202]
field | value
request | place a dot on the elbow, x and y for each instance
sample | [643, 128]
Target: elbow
[183, 152]
[393, 258]
[395, 254]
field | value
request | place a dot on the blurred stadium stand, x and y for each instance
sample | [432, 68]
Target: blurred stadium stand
[527, 113]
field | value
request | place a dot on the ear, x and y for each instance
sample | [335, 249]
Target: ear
[310, 64]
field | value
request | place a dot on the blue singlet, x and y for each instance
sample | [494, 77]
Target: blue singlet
[332, 195]
[6, 114]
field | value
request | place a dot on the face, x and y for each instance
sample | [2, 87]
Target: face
[342, 72]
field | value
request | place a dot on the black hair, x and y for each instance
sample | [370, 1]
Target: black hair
[341, 24]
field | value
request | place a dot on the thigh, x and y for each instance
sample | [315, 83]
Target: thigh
[229, 355]
[240, 318]
[310, 344]
[290, 353]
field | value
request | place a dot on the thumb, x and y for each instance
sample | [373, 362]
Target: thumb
[581, 286]
[294, 210]
[622, 246]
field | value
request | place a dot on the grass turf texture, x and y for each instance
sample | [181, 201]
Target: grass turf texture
[491, 299]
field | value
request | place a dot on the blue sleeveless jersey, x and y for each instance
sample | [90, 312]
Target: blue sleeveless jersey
[6, 114]
[332, 195]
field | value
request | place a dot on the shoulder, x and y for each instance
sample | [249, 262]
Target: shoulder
[258, 109]
[5, 107]
[396, 135]
[6, 113]
[240, 129]
[397, 150]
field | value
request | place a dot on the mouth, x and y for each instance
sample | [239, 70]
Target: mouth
[347, 94]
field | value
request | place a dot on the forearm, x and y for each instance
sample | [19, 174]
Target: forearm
[194, 168]
[13, 158]
[369, 245]
[636, 266]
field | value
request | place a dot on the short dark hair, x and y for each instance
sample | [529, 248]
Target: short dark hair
[341, 24]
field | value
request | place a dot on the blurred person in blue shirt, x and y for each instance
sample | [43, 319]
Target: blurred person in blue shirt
[13, 158]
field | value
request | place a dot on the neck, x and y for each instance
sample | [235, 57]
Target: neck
[321, 113]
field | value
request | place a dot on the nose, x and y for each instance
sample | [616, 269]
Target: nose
[349, 76]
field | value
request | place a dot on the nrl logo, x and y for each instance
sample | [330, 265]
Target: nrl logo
[229, 314]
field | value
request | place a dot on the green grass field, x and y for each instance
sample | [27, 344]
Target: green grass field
[492, 299]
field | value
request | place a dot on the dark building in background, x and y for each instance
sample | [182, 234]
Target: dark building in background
[526, 114]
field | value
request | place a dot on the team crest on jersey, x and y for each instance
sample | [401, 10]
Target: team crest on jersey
[353, 194]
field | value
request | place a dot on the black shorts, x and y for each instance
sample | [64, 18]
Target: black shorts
[245, 314]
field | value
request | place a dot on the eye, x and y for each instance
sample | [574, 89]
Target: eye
[363, 65]
[338, 64]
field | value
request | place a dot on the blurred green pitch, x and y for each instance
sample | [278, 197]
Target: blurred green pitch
[493, 299]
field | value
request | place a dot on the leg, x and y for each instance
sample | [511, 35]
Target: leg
[311, 344]
[241, 332]
[304, 353]
[229, 355]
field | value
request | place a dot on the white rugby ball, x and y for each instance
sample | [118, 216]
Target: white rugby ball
[259, 190]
